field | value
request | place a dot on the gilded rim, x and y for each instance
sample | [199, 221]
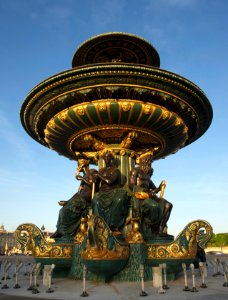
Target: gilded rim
[117, 81]
[110, 121]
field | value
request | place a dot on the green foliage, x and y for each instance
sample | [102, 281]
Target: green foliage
[218, 240]
[222, 239]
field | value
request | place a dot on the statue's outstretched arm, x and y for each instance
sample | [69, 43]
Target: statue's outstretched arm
[89, 179]
[79, 177]
[155, 190]
[62, 202]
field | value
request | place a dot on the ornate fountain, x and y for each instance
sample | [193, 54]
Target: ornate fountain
[118, 110]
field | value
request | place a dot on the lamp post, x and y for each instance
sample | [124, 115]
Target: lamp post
[202, 273]
[194, 289]
[141, 269]
[84, 293]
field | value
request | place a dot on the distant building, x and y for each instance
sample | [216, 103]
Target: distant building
[8, 243]
[2, 229]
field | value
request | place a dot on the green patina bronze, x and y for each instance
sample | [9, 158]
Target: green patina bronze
[70, 215]
[116, 109]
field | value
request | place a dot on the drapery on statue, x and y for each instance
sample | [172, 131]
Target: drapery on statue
[76, 207]
[111, 202]
[153, 212]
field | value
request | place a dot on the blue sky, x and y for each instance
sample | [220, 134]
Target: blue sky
[38, 39]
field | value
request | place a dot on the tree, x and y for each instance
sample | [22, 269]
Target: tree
[222, 239]
[218, 240]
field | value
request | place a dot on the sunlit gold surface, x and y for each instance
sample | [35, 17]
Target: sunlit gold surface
[133, 235]
[128, 140]
[127, 132]
[141, 195]
[97, 247]
[30, 236]
[156, 87]
[79, 237]
[186, 243]
[163, 186]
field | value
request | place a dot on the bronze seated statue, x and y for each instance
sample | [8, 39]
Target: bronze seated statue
[101, 191]
[77, 206]
[152, 211]
[111, 201]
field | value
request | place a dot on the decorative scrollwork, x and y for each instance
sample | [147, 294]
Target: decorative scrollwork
[102, 106]
[101, 244]
[204, 238]
[30, 236]
[126, 106]
[26, 233]
[94, 142]
[148, 109]
[185, 245]
[128, 140]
